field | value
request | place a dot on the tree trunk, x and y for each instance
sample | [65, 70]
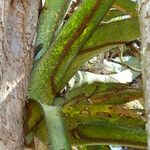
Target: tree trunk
[18, 22]
[144, 11]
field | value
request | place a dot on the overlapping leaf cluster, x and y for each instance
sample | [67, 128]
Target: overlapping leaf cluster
[94, 113]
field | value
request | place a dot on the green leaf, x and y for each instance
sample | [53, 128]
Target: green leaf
[100, 124]
[50, 19]
[57, 132]
[132, 62]
[55, 125]
[60, 54]
[112, 134]
[103, 93]
[127, 6]
[104, 38]
[71, 38]
[97, 147]
[111, 14]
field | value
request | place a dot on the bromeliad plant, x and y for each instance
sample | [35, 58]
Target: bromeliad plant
[91, 113]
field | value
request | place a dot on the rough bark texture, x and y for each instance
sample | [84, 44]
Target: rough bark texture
[144, 12]
[18, 21]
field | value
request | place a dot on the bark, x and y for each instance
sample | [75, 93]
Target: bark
[144, 13]
[18, 21]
